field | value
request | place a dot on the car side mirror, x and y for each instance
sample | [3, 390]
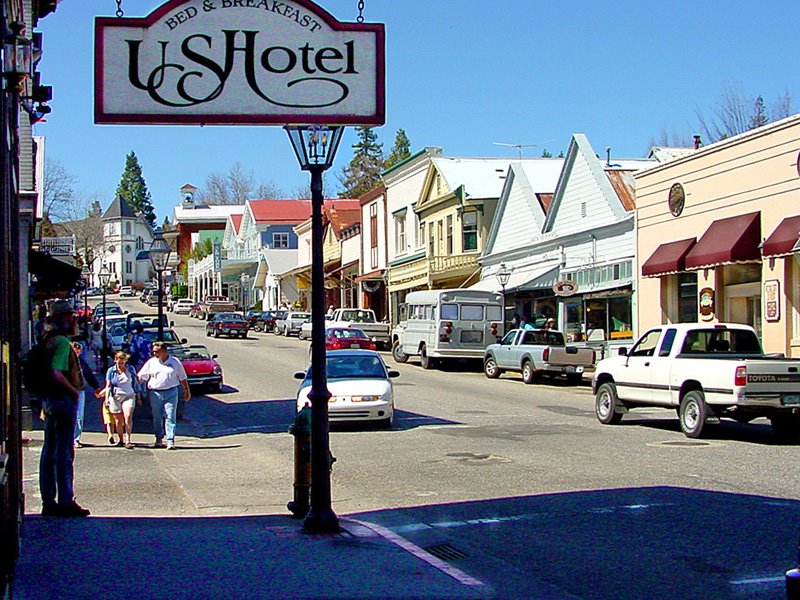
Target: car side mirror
[299, 375]
[184, 341]
[214, 356]
[393, 374]
[124, 312]
[172, 323]
[623, 351]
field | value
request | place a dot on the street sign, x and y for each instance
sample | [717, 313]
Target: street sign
[239, 63]
[217, 250]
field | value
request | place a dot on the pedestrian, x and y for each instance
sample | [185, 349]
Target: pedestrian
[87, 376]
[515, 322]
[164, 376]
[550, 323]
[56, 465]
[39, 327]
[139, 347]
[122, 397]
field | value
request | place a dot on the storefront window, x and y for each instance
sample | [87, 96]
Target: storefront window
[687, 297]
[598, 319]
[619, 318]
[573, 321]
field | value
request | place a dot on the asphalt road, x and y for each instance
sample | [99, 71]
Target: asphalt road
[504, 480]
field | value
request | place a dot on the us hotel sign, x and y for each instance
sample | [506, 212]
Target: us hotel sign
[239, 62]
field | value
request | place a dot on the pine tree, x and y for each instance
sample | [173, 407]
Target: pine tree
[364, 171]
[133, 189]
[95, 210]
[400, 151]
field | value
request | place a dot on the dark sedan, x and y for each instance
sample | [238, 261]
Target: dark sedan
[230, 324]
[266, 322]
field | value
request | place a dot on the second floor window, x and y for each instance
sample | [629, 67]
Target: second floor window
[400, 234]
[280, 240]
[128, 266]
[449, 235]
[469, 229]
[140, 243]
[127, 228]
[431, 241]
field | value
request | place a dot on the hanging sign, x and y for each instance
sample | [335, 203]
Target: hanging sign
[217, 252]
[239, 62]
[565, 287]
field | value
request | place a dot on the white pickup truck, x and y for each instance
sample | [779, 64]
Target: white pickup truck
[534, 352]
[363, 319]
[706, 372]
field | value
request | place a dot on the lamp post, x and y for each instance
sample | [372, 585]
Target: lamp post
[503, 275]
[86, 273]
[245, 281]
[315, 147]
[104, 276]
[159, 255]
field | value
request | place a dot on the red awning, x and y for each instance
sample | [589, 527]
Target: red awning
[668, 258]
[735, 239]
[781, 241]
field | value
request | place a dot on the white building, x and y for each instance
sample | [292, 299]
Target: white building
[126, 240]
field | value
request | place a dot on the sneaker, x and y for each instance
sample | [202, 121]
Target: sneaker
[50, 510]
[170, 445]
[73, 509]
[111, 440]
[158, 444]
[129, 446]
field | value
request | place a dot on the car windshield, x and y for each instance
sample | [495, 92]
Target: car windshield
[357, 316]
[353, 367]
[170, 337]
[229, 317]
[347, 333]
[191, 353]
[300, 316]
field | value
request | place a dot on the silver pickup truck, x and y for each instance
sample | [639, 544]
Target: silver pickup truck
[536, 352]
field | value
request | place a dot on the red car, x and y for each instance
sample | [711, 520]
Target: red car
[202, 369]
[346, 338]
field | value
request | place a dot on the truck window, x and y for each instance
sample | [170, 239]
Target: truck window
[647, 345]
[509, 339]
[666, 345]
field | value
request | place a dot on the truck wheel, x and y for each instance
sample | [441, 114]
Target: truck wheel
[490, 368]
[693, 413]
[529, 372]
[424, 360]
[300, 335]
[397, 353]
[216, 334]
[605, 402]
[208, 333]
[786, 427]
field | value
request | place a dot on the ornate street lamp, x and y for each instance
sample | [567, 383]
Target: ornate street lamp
[159, 255]
[86, 273]
[503, 275]
[315, 147]
[105, 277]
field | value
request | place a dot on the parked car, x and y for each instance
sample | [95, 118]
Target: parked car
[704, 371]
[118, 334]
[252, 316]
[94, 291]
[347, 338]
[147, 320]
[364, 319]
[202, 368]
[266, 322]
[290, 323]
[183, 306]
[230, 324]
[537, 352]
[112, 308]
[360, 386]
[169, 337]
[153, 297]
[307, 328]
[126, 290]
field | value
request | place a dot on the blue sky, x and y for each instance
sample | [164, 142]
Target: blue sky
[461, 75]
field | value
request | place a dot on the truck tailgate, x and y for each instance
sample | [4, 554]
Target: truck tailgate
[571, 355]
[771, 376]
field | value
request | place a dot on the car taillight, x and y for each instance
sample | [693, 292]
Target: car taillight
[372, 346]
[335, 345]
[494, 328]
[448, 327]
[546, 354]
[740, 378]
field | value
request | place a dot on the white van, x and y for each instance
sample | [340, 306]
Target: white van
[442, 324]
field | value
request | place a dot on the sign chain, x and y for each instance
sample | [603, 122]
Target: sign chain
[360, 18]
[120, 14]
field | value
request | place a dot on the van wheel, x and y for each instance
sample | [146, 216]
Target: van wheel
[424, 360]
[397, 352]
[490, 368]
[605, 402]
[529, 374]
[693, 413]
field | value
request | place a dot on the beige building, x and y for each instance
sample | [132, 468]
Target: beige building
[717, 236]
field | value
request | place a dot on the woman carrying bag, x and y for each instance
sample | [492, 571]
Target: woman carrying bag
[123, 394]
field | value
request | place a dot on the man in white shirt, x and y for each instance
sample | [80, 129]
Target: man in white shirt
[164, 376]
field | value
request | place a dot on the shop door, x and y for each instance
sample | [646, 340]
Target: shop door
[743, 305]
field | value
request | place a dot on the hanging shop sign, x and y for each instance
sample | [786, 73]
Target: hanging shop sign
[239, 62]
[772, 300]
[565, 287]
[706, 304]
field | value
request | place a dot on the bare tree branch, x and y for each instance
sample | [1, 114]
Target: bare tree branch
[58, 190]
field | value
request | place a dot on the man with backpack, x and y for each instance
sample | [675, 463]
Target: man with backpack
[60, 404]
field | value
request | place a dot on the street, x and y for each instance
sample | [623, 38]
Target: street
[500, 477]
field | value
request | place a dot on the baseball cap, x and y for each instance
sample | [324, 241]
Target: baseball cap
[60, 308]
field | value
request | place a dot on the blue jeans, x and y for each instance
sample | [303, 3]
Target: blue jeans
[79, 416]
[164, 403]
[56, 471]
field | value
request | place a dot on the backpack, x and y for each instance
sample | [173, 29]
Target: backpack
[37, 369]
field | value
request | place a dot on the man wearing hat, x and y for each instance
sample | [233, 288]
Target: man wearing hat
[60, 406]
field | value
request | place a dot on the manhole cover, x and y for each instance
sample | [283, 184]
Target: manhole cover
[681, 443]
[445, 552]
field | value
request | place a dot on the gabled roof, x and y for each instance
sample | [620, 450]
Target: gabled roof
[236, 221]
[200, 213]
[342, 213]
[480, 177]
[289, 212]
[119, 209]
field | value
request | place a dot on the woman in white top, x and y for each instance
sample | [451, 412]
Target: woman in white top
[122, 396]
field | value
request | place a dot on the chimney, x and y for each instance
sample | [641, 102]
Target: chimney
[696, 142]
[608, 156]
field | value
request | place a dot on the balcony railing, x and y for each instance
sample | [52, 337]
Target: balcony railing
[448, 264]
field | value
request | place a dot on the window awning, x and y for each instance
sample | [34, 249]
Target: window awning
[378, 275]
[535, 277]
[54, 278]
[735, 239]
[783, 240]
[668, 258]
